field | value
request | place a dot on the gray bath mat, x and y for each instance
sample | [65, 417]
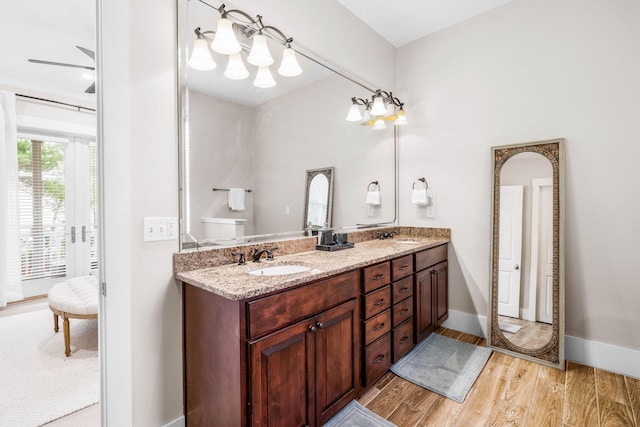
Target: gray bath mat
[356, 415]
[443, 365]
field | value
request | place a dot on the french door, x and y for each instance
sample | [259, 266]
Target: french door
[57, 209]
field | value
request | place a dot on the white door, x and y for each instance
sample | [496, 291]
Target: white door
[544, 285]
[56, 209]
[510, 252]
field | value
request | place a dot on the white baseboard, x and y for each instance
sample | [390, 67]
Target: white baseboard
[178, 422]
[609, 357]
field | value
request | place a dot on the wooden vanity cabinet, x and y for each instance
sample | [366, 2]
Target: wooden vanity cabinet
[290, 358]
[431, 290]
[377, 321]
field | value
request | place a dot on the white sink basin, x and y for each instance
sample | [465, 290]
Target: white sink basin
[407, 241]
[279, 270]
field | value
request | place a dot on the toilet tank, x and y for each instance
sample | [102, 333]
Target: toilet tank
[222, 228]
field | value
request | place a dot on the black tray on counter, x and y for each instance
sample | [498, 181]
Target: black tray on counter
[335, 246]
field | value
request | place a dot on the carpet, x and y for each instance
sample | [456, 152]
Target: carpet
[356, 415]
[38, 383]
[508, 326]
[443, 365]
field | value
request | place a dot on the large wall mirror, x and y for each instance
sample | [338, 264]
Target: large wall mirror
[237, 136]
[526, 313]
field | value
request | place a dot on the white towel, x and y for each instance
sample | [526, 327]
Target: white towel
[373, 198]
[236, 199]
[419, 197]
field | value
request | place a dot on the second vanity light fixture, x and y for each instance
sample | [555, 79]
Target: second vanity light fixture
[224, 41]
[382, 107]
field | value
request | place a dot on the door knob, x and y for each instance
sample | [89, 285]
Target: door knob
[516, 267]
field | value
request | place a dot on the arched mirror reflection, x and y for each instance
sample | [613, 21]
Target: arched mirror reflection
[319, 198]
[527, 311]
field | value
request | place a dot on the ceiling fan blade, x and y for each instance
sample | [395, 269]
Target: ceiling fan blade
[91, 89]
[61, 64]
[87, 52]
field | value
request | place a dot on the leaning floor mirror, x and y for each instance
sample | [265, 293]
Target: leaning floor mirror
[526, 301]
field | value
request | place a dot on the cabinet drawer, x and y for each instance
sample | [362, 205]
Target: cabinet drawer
[402, 340]
[402, 289]
[275, 311]
[377, 276]
[401, 267]
[431, 257]
[402, 311]
[377, 326]
[377, 359]
[377, 301]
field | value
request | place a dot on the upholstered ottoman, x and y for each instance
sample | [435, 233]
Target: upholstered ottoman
[75, 298]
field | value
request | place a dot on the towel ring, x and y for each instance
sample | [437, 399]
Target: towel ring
[426, 185]
[373, 183]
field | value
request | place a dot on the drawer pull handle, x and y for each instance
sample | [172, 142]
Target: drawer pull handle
[379, 302]
[404, 339]
[379, 359]
[378, 276]
[312, 328]
[404, 267]
[403, 311]
[378, 327]
[403, 290]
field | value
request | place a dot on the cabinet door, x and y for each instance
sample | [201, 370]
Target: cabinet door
[282, 377]
[424, 304]
[337, 363]
[441, 288]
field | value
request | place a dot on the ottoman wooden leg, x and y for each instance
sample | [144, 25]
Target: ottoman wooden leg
[55, 322]
[67, 340]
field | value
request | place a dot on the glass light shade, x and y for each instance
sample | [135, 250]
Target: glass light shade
[260, 55]
[225, 41]
[200, 57]
[402, 118]
[378, 108]
[379, 124]
[289, 66]
[390, 114]
[264, 79]
[354, 114]
[366, 119]
[235, 68]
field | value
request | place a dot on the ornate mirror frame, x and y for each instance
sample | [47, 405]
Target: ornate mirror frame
[312, 173]
[552, 353]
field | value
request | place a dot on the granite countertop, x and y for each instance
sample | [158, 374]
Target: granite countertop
[234, 282]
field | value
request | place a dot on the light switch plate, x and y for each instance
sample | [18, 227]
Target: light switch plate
[160, 228]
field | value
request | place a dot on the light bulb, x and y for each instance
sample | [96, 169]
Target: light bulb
[379, 124]
[225, 41]
[259, 55]
[264, 79]
[402, 118]
[235, 68]
[354, 114]
[378, 108]
[200, 57]
[289, 66]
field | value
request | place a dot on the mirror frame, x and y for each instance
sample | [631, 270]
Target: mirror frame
[552, 353]
[312, 173]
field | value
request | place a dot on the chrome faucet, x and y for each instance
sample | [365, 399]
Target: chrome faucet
[257, 254]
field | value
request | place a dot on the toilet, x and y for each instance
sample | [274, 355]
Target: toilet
[223, 228]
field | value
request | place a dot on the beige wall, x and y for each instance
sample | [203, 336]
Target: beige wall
[534, 70]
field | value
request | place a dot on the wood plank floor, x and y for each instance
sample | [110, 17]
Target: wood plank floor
[513, 392]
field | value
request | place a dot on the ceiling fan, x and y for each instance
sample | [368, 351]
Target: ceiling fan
[89, 53]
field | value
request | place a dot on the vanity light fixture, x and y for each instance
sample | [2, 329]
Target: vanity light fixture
[224, 41]
[382, 107]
